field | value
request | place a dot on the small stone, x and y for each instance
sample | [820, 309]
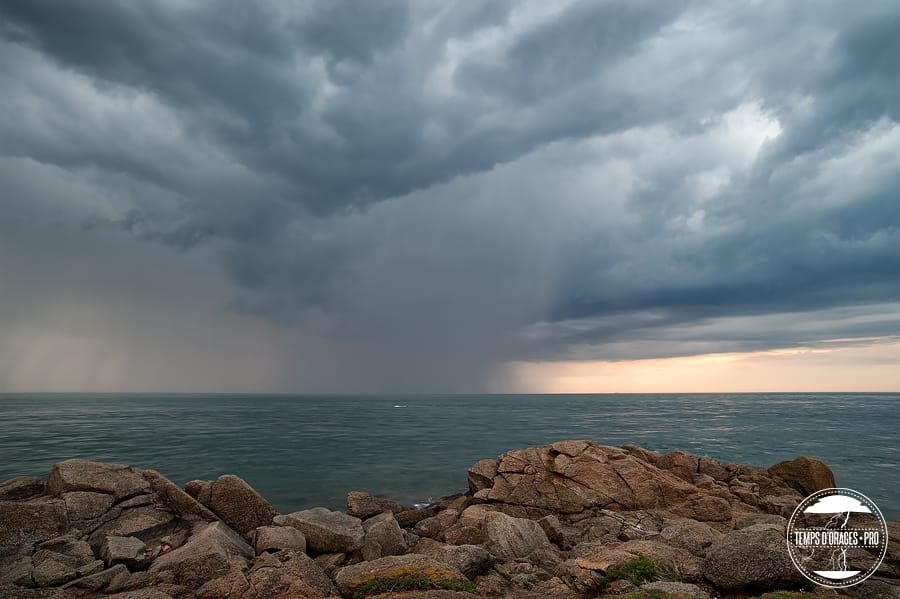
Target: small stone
[140, 594]
[553, 529]
[21, 487]
[122, 550]
[712, 468]
[363, 505]
[481, 475]
[409, 518]
[679, 589]
[95, 582]
[91, 568]
[18, 572]
[619, 587]
[276, 538]
[680, 463]
[52, 573]
[329, 562]
[201, 490]
[435, 526]
[86, 505]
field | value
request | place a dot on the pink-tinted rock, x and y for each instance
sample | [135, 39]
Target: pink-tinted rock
[571, 476]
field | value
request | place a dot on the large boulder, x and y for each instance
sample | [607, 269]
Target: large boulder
[805, 474]
[206, 555]
[394, 568]
[511, 538]
[754, 558]
[571, 476]
[83, 475]
[326, 531]
[141, 594]
[239, 505]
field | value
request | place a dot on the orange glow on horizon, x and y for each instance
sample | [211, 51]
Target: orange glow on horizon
[848, 368]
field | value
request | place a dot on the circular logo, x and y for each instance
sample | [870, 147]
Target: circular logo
[837, 537]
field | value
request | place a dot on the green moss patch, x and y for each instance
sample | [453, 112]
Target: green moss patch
[638, 572]
[408, 583]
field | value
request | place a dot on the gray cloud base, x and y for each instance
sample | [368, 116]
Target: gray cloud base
[413, 194]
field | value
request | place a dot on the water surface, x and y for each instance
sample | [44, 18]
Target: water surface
[303, 451]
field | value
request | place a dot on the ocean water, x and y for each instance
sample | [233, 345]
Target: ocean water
[305, 451]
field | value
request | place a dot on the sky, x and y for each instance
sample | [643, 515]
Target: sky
[434, 196]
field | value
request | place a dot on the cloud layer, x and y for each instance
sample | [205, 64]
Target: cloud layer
[409, 195]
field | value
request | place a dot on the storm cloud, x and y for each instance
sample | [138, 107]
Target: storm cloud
[406, 196]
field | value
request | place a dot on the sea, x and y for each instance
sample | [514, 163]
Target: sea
[310, 450]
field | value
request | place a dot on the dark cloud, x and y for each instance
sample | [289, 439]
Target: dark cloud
[406, 195]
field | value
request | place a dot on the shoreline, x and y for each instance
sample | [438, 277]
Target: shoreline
[569, 519]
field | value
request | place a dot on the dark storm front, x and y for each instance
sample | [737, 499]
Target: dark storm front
[310, 450]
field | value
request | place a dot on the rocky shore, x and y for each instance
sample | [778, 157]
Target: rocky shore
[569, 520]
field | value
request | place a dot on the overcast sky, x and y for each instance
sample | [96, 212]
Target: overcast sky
[434, 196]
